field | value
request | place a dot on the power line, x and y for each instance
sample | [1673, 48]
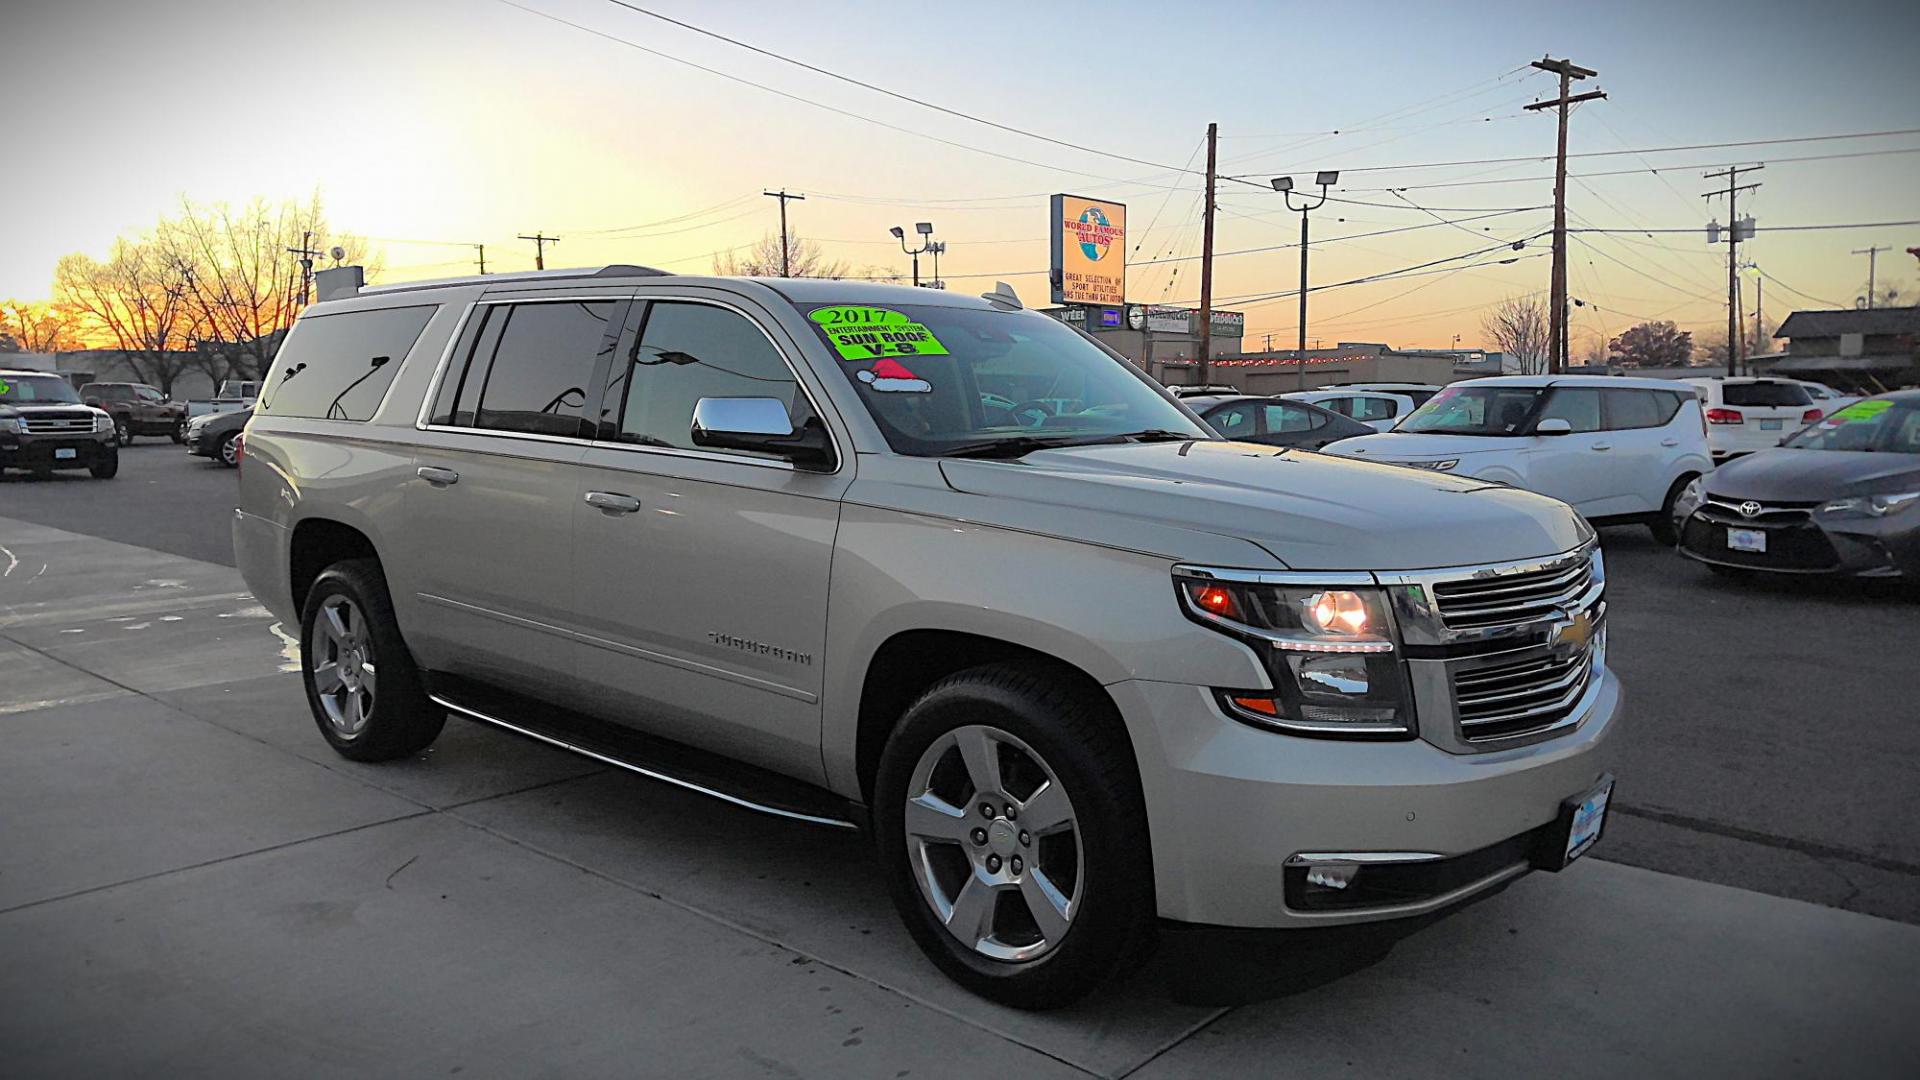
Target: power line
[1796, 292]
[1636, 172]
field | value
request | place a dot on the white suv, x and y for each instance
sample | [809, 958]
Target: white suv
[1745, 414]
[1618, 450]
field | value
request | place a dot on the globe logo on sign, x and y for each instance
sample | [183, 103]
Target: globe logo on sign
[1093, 240]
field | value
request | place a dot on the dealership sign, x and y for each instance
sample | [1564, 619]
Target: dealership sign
[1165, 319]
[1089, 248]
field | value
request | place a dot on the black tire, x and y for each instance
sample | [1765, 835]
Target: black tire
[227, 452]
[179, 433]
[401, 721]
[1666, 532]
[122, 431]
[107, 465]
[1112, 926]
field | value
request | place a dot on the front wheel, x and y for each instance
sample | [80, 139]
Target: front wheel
[361, 683]
[228, 452]
[179, 433]
[1665, 530]
[122, 431]
[1009, 819]
[107, 465]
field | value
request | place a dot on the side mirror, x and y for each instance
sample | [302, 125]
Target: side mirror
[761, 425]
[1553, 425]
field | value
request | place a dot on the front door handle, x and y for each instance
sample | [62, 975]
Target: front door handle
[437, 476]
[1603, 446]
[612, 502]
[1669, 442]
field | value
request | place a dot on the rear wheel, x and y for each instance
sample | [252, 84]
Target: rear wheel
[228, 453]
[361, 683]
[179, 433]
[1665, 530]
[1008, 815]
[122, 431]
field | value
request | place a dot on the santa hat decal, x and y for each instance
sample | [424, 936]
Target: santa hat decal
[892, 377]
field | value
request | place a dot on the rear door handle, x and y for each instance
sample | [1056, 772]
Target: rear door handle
[437, 476]
[1603, 446]
[1669, 442]
[612, 502]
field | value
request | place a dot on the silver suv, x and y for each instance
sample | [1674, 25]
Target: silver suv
[942, 569]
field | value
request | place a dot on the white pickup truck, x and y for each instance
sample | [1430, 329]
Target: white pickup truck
[235, 394]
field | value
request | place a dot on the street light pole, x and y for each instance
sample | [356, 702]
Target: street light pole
[1326, 178]
[925, 229]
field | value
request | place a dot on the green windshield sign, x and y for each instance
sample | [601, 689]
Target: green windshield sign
[865, 333]
[1862, 410]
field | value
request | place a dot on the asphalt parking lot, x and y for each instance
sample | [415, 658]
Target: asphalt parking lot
[191, 882]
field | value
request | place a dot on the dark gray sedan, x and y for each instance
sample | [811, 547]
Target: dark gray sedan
[218, 436]
[1838, 497]
[1275, 421]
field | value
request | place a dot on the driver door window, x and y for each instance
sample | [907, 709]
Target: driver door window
[1579, 408]
[1291, 419]
[1234, 421]
[685, 352]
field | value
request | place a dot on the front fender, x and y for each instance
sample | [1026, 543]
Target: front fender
[1112, 614]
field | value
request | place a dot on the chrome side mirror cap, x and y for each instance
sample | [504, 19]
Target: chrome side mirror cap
[1553, 425]
[762, 426]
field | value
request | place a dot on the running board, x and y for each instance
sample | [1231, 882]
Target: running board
[747, 786]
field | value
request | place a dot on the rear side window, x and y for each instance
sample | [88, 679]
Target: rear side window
[1371, 408]
[532, 368]
[1640, 408]
[1764, 394]
[338, 367]
[1341, 405]
[1286, 418]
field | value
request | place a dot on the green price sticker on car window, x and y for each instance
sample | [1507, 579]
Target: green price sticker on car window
[1863, 410]
[865, 333]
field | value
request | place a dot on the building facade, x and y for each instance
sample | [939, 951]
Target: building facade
[1866, 350]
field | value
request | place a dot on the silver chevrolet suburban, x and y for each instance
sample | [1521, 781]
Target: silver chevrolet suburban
[942, 569]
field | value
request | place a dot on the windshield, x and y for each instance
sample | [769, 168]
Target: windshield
[1876, 424]
[1474, 410]
[41, 389]
[942, 380]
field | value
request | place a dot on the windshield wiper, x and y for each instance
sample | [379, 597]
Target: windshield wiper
[1022, 445]
[1159, 435]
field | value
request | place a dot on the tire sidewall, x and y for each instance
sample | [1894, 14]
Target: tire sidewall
[223, 452]
[399, 703]
[108, 465]
[1116, 869]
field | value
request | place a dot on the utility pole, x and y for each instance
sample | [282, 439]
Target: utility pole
[1206, 260]
[785, 250]
[1759, 314]
[1556, 307]
[1734, 231]
[306, 253]
[540, 242]
[483, 258]
[1873, 257]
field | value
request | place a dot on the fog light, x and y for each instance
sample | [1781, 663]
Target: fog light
[1332, 875]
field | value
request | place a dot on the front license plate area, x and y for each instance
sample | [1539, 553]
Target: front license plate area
[1754, 540]
[65, 453]
[1583, 818]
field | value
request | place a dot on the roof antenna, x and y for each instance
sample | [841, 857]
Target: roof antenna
[1002, 296]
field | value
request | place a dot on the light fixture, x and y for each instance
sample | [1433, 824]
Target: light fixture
[1283, 183]
[1327, 177]
[924, 228]
[898, 233]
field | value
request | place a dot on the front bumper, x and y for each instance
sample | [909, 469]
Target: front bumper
[1806, 543]
[43, 451]
[1232, 809]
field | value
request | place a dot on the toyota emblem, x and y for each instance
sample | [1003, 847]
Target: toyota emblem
[1750, 509]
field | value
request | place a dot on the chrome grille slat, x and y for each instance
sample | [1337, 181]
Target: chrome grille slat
[1511, 598]
[1548, 712]
[1487, 676]
[1463, 590]
[1559, 679]
[57, 425]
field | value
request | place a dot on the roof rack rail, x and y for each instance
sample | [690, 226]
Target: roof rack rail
[610, 270]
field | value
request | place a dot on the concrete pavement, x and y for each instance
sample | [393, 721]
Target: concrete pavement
[191, 882]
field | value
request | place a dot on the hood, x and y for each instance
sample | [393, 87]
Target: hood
[1406, 446]
[43, 408]
[1784, 474]
[1310, 511]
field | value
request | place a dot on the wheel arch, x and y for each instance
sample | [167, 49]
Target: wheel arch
[317, 543]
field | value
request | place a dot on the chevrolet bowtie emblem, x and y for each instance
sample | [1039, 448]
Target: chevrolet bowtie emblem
[1576, 632]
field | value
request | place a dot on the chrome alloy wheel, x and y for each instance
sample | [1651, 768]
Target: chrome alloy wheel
[229, 451]
[343, 671]
[993, 843]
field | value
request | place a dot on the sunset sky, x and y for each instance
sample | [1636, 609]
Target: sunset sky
[431, 124]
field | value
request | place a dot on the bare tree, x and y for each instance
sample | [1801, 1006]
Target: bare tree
[762, 259]
[1519, 325]
[38, 327]
[246, 277]
[137, 300]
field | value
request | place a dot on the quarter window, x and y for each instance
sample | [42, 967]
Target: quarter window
[1578, 407]
[685, 352]
[1233, 421]
[532, 367]
[338, 367]
[1372, 409]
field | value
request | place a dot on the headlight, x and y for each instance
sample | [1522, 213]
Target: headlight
[1874, 505]
[1328, 649]
[1435, 466]
[9, 425]
[102, 422]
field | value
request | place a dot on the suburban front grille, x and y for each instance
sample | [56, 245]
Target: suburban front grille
[1519, 696]
[1501, 599]
[57, 425]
